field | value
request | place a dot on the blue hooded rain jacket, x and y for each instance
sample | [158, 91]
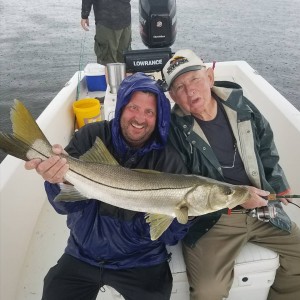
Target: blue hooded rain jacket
[108, 236]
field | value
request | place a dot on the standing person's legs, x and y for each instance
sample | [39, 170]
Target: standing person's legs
[287, 281]
[71, 279]
[124, 43]
[146, 283]
[210, 263]
[110, 44]
[106, 45]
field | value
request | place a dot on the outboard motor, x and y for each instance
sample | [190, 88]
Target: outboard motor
[158, 32]
[157, 22]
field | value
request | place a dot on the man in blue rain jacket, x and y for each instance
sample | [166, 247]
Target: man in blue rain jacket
[110, 245]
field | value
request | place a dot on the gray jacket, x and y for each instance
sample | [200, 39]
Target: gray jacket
[255, 143]
[113, 14]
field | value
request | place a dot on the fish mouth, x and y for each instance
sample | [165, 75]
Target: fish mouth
[241, 195]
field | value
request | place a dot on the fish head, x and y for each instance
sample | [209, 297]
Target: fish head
[227, 196]
[217, 196]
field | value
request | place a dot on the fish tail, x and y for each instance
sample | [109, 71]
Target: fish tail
[27, 140]
[13, 146]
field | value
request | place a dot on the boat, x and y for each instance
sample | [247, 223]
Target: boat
[33, 236]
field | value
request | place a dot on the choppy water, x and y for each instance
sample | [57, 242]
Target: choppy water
[41, 44]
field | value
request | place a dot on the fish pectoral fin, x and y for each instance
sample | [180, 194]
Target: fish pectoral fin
[99, 154]
[158, 224]
[182, 213]
[69, 194]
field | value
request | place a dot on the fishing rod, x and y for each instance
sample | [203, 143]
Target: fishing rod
[265, 213]
[276, 196]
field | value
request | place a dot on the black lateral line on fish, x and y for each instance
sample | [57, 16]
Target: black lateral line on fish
[126, 189]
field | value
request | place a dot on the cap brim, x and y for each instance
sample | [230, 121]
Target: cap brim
[187, 69]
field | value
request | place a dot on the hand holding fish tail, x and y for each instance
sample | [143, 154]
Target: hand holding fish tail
[256, 198]
[52, 169]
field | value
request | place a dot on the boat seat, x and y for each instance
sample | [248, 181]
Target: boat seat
[254, 273]
[254, 270]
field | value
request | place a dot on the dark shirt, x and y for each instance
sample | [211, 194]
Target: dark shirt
[220, 136]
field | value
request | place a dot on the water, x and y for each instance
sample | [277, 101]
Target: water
[42, 44]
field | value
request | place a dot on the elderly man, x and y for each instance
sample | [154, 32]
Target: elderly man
[222, 135]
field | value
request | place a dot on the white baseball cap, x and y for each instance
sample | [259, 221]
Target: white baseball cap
[182, 61]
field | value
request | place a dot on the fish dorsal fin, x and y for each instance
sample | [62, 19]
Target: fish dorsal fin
[158, 224]
[99, 154]
[24, 126]
[69, 193]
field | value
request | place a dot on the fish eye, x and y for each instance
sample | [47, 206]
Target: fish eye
[228, 191]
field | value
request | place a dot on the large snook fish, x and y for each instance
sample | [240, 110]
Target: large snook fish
[97, 175]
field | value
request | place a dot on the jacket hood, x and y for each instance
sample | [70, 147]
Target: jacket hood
[141, 82]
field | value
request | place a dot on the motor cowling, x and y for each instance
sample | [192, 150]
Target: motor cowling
[157, 20]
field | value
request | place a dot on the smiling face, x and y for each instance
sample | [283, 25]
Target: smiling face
[138, 118]
[192, 92]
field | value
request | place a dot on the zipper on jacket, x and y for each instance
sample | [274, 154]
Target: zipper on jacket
[101, 270]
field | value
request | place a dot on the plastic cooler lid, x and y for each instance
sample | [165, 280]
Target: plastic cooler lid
[93, 69]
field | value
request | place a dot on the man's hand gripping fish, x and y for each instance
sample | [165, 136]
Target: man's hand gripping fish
[97, 175]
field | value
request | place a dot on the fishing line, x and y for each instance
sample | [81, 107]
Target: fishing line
[289, 201]
[275, 197]
[80, 67]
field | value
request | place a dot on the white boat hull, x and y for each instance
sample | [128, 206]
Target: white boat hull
[33, 236]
